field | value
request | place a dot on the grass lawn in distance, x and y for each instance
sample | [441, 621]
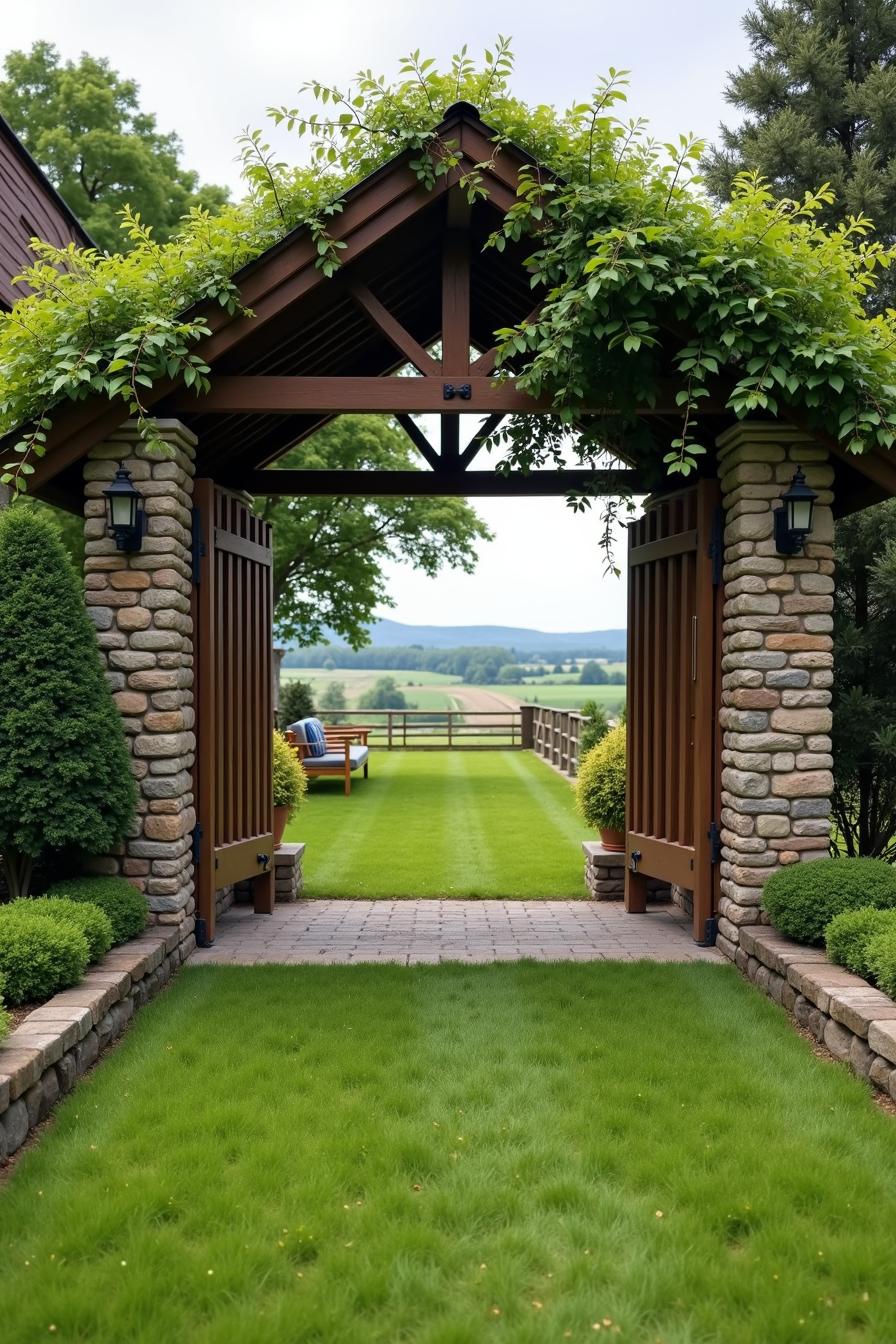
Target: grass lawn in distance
[450, 1155]
[443, 823]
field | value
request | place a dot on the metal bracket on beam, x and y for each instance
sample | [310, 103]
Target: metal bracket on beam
[452, 390]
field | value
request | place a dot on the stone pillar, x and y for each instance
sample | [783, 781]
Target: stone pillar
[777, 670]
[140, 604]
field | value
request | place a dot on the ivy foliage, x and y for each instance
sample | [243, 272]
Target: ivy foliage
[638, 275]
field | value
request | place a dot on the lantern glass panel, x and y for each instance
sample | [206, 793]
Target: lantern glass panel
[123, 509]
[801, 515]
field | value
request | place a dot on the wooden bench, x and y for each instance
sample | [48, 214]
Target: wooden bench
[340, 759]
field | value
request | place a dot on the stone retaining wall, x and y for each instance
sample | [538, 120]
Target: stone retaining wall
[42, 1059]
[856, 1022]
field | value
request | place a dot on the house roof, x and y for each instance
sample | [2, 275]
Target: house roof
[29, 206]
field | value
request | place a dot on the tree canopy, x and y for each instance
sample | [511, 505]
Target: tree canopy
[638, 272]
[818, 102]
[82, 122]
[329, 552]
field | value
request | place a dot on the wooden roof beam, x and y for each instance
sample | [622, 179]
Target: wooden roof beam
[379, 484]
[287, 395]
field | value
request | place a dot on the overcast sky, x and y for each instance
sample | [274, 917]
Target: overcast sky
[207, 68]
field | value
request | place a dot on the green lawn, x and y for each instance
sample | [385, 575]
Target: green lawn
[472, 824]
[450, 1155]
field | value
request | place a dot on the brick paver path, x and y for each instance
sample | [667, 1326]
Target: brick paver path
[409, 932]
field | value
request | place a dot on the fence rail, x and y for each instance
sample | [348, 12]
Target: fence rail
[554, 735]
[435, 729]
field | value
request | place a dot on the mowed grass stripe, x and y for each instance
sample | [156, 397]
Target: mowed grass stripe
[452, 1154]
[488, 824]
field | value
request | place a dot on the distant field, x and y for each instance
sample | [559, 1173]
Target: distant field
[563, 697]
[424, 690]
[358, 680]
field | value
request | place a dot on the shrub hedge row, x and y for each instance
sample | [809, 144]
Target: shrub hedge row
[124, 905]
[46, 943]
[38, 955]
[803, 898]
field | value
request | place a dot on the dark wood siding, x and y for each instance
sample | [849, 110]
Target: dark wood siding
[28, 206]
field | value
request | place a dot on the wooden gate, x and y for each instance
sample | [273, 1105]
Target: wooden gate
[674, 672]
[233, 621]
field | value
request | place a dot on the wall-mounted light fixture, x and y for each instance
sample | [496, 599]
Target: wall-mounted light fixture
[125, 514]
[793, 520]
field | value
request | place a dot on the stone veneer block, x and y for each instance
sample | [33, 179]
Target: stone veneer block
[775, 631]
[288, 871]
[605, 874]
[141, 605]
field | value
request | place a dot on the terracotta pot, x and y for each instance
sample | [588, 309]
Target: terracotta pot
[281, 817]
[612, 840]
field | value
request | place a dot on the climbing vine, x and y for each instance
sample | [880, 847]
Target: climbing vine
[638, 277]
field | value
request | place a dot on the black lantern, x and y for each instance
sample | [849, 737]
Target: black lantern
[124, 512]
[793, 520]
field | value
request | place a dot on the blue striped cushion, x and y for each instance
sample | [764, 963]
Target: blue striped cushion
[315, 737]
[311, 733]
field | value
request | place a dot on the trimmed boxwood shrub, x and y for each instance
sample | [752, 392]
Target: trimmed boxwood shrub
[93, 922]
[38, 956]
[881, 957]
[600, 785]
[848, 935]
[65, 775]
[4, 1015]
[802, 899]
[115, 896]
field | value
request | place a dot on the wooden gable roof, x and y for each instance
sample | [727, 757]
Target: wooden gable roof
[414, 272]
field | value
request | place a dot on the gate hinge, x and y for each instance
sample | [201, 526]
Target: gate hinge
[198, 549]
[196, 842]
[715, 842]
[717, 545]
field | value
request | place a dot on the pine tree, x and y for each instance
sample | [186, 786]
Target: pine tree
[65, 779]
[819, 102]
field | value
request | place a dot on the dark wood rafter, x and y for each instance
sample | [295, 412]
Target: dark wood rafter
[392, 329]
[373, 484]
[456, 288]
[485, 430]
[419, 440]
[450, 443]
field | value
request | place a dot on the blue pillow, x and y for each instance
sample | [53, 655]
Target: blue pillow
[310, 732]
[315, 737]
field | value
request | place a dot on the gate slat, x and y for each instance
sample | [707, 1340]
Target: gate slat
[673, 679]
[234, 710]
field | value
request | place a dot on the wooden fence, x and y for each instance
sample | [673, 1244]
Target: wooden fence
[435, 730]
[554, 735]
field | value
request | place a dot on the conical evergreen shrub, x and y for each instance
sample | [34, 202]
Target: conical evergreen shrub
[65, 779]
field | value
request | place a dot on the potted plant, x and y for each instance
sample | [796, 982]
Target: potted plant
[600, 789]
[290, 785]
